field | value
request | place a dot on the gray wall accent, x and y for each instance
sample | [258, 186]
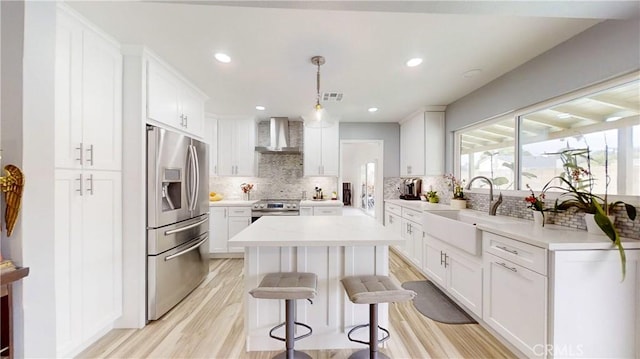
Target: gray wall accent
[602, 52]
[386, 131]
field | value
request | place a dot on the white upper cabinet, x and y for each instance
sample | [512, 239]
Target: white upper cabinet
[236, 147]
[211, 137]
[434, 143]
[422, 145]
[173, 101]
[412, 146]
[321, 151]
[88, 80]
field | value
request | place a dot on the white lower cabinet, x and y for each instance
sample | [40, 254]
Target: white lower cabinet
[88, 248]
[224, 223]
[412, 233]
[516, 304]
[459, 274]
[306, 211]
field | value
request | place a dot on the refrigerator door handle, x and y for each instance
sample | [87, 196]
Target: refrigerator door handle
[197, 177]
[194, 177]
[193, 247]
[182, 229]
[188, 174]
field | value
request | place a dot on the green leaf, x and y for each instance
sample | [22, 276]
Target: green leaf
[607, 227]
[499, 181]
[529, 175]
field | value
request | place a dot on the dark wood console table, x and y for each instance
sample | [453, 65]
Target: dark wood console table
[6, 313]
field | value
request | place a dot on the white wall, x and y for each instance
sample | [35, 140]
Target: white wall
[388, 132]
[606, 50]
[27, 138]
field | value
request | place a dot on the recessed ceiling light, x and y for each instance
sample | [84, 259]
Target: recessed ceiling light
[372, 109]
[471, 73]
[613, 118]
[260, 108]
[564, 115]
[414, 62]
[224, 58]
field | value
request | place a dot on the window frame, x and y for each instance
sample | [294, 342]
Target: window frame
[517, 114]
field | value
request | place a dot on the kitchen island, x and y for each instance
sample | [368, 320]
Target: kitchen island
[331, 247]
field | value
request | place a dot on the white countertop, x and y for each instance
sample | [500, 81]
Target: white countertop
[552, 237]
[302, 231]
[321, 203]
[420, 205]
[232, 203]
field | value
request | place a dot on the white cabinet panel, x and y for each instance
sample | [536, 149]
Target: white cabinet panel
[88, 237]
[88, 98]
[224, 223]
[236, 147]
[218, 230]
[211, 137]
[515, 304]
[173, 101]
[306, 211]
[412, 146]
[321, 151]
[412, 232]
[434, 143]
[433, 265]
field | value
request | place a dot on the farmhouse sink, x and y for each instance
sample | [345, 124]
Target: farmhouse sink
[455, 228]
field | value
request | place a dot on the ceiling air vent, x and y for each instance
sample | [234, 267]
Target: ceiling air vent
[331, 97]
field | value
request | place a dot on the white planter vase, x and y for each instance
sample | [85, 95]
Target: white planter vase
[592, 226]
[538, 219]
[458, 203]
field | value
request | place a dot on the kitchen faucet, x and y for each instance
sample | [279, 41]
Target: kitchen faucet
[493, 205]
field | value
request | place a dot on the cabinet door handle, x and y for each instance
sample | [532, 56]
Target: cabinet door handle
[81, 152]
[79, 179]
[90, 181]
[442, 258]
[90, 151]
[225, 213]
[512, 251]
[503, 264]
[186, 121]
[390, 219]
[410, 228]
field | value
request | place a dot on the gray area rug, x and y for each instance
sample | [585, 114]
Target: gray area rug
[435, 305]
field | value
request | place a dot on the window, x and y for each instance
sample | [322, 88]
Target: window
[605, 120]
[488, 150]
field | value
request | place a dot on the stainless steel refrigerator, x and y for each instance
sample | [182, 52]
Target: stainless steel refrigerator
[177, 218]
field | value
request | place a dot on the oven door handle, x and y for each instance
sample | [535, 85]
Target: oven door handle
[182, 229]
[275, 213]
[193, 247]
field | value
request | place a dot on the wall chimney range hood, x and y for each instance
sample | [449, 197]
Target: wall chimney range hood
[279, 135]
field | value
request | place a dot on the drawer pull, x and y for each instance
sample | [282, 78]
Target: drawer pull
[512, 251]
[503, 264]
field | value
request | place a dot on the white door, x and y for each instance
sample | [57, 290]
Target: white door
[211, 137]
[330, 148]
[433, 264]
[226, 166]
[312, 151]
[68, 128]
[465, 282]
[416, 234]
[412, 147]
[101, 250]
[218, 229]
[68, 270]
[244, 144]
[101, 103]
[237, 224]
[192, 110]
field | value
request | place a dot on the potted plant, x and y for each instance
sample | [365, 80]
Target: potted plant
[432, 197]
[457, 186]
[246, 189]
[576, 186]
[536, 203]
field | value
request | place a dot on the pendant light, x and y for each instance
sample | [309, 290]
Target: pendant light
[319, 118]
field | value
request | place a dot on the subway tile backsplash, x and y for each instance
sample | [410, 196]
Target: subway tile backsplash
[279, 176]
[515, 206]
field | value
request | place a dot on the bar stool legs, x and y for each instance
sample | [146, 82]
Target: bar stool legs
[373, 351]
[290, 338]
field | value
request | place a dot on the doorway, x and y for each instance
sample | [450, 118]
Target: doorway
[361, 164]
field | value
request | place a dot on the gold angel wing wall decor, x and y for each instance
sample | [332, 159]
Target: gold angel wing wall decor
[12, 186]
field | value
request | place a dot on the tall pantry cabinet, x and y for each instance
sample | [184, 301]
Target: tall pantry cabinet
[88, 186]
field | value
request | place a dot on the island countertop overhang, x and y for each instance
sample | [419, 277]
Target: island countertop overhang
[296, 231]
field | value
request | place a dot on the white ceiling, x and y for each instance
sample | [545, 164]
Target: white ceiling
[365, 47]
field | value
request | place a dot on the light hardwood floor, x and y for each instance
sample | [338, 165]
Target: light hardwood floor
[209, 324]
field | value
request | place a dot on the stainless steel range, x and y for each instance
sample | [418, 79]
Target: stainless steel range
[275, 207]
